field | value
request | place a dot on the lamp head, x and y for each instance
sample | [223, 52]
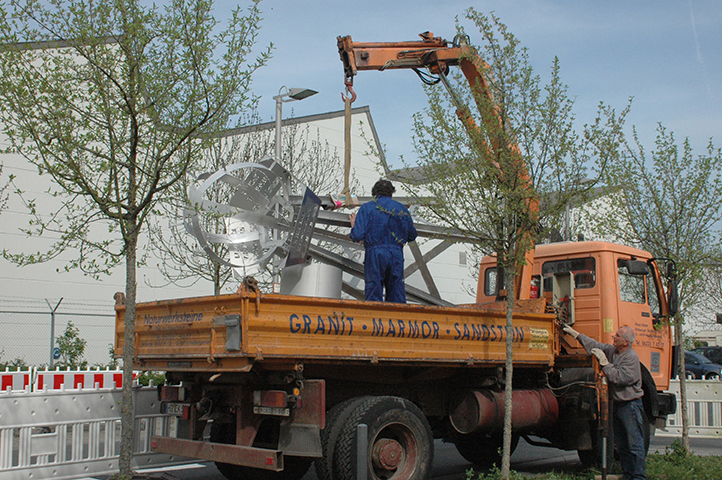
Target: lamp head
[300, 93]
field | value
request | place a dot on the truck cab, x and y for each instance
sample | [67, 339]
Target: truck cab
[598, 287]
[590, 284]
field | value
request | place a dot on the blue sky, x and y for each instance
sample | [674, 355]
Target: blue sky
[663, 53]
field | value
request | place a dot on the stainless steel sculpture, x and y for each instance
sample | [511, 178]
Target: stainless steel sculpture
[249, 209]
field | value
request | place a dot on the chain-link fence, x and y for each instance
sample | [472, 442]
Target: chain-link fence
[27, 329]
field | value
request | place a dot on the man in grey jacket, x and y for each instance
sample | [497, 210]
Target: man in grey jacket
[621, 366]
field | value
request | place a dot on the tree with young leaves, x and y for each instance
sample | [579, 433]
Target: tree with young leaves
[666, 201]
[71, 347]
[507, 180]
[114, 100]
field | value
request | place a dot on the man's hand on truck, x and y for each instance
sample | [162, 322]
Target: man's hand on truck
[570, 331]
[600, 356]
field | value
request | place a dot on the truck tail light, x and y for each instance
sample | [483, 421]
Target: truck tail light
[270, 398]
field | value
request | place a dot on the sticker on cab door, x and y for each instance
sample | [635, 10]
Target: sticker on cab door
[608, 325]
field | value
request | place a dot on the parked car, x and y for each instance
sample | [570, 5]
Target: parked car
[713, 353]
[697, 365]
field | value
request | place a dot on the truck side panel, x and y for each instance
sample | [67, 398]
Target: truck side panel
[199, 333]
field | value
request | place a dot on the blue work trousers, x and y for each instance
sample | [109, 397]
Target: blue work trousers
[384, 269]
[629, 438]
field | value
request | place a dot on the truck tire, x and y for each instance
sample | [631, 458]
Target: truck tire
[400, 442]
[335, 420]
[294, 467]
[483, 449]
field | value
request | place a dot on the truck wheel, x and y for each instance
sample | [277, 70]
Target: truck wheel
[400, 442]
[335, 420]
[294, 467]
[483, 449]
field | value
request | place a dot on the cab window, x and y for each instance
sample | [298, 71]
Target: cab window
[491, 284]
[584, 270]
[631, 287]
[654, 304]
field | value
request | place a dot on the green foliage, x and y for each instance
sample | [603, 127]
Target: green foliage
[504, 175]
[114, 101]
[677, 463]
[158, 378]
[12, 365]
[72, 348]
[3, 189]
[666, 201]
[495, 474]
[112, 361]
[488, 181]
[674, 464]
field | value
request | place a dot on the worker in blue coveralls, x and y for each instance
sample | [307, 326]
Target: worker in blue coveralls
[384, 225]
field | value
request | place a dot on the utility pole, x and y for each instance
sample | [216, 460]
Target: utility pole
[52, 330]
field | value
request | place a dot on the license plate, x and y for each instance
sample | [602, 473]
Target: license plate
[174, 408]
[278, 411]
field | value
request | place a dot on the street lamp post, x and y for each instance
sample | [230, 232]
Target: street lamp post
[289, 95]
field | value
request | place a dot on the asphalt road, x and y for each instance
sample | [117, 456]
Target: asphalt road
[449, 465]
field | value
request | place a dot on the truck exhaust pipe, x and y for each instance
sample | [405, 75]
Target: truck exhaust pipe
[484, 410]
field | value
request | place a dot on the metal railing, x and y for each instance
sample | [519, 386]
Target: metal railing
[704, 407]
[75, 432]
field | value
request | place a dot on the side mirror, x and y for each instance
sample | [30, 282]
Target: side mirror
[673, 301]
[637, 267]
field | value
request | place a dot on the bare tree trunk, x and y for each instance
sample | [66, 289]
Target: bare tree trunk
[506, 450]
[679, 338]
[126, 409]
[216, 279]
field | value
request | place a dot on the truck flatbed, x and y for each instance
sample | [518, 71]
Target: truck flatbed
[234, 332]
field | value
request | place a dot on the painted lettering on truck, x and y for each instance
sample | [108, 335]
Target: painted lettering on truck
[397, 328]
[182, 317]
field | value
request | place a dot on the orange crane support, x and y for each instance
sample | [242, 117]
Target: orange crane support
[437, 55]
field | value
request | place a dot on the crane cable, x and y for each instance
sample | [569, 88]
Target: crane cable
[347, 142]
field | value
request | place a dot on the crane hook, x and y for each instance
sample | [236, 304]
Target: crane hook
[349, 89]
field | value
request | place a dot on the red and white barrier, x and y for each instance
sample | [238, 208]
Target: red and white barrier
[16, 381]
[78, 379]
[38, 380]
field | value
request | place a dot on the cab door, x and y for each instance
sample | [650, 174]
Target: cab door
[638, 304]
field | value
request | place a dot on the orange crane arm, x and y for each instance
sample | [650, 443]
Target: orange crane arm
[437, 55]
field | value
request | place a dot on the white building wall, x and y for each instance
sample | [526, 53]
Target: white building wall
[27, 288]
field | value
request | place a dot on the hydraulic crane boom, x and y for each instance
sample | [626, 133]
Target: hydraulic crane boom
[437, 55]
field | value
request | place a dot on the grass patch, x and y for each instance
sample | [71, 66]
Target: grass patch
[673, 464]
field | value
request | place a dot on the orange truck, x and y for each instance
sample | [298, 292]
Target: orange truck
[266, 384]
[279, 381]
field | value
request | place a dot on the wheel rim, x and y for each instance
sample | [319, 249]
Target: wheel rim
[394, 453]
